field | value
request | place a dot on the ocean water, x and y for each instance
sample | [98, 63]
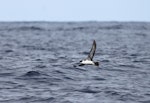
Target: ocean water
[39, 62]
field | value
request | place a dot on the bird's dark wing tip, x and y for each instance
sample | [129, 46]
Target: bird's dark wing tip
[94, 42]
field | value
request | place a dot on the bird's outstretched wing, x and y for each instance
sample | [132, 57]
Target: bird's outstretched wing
[92, 51]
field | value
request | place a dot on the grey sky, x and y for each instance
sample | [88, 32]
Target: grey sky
[74, 10]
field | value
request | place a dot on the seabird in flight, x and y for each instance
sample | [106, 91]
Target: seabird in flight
[89, 59]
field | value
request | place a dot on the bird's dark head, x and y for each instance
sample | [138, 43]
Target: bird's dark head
[96, 63]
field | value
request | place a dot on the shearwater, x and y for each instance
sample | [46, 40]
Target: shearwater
[89, 59]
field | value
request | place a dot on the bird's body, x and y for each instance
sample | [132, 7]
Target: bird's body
[87, 62]
[89, 59]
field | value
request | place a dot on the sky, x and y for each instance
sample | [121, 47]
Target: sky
[75, 10]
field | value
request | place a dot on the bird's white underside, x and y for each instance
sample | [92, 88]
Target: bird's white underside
[87, 62]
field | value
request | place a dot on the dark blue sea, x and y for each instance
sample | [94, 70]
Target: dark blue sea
[39, 62]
